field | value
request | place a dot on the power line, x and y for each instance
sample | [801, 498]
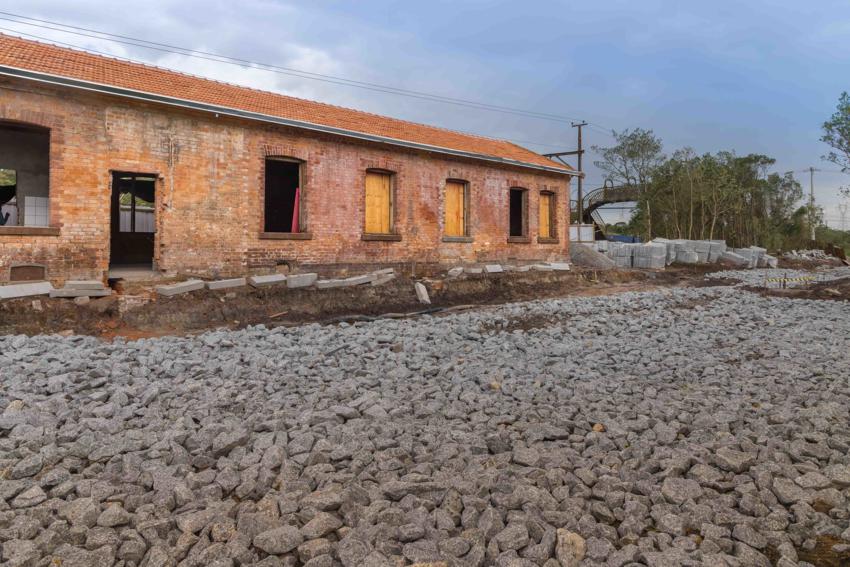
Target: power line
[208, 56]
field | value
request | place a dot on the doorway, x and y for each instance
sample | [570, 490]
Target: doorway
[133, 226]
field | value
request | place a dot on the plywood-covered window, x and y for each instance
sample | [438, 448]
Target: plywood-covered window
[379, 202]
[457, 206]
[547, 215]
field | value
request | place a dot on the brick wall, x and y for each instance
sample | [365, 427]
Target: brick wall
[209, 196]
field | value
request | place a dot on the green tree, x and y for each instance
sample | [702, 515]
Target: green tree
[632, 159]
[836, 133]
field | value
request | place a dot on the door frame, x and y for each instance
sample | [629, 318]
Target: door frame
[114, 212]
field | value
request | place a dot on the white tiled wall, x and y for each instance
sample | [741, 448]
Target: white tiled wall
[36, 211]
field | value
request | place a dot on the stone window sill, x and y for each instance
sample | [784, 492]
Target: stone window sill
[286, 236]
[381, 237]
[29, 231]
[458, 239]
[518, 240]
[547, 240]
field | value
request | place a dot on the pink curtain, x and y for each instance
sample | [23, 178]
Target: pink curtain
[296, 209]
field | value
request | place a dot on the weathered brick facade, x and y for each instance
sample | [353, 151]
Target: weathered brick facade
[209, 196]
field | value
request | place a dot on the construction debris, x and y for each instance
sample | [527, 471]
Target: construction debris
[662, 252]
[807, 255]
[422, 293]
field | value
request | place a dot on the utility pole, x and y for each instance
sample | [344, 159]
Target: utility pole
[560, 157]
[842, 210]
[812, 171]
[580, 201]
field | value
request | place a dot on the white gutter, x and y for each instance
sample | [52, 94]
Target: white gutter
[248, 115]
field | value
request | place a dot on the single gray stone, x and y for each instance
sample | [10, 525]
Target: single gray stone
[279, 540]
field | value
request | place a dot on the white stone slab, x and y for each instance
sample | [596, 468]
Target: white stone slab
[66, 292]
[455, 272]
[560, 266]
[83, 284]
[347, 282]
[25, 290]
[493, 268]
[301, 280]
[227, 284]
[263, 281]
[181, 287]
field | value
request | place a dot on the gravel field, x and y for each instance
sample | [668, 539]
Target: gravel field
[680, 427]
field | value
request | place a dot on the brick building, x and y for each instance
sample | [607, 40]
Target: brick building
[105, 162]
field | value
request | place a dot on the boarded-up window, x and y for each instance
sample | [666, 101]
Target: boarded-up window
[378, 202]
[456, 208]
[547, 214]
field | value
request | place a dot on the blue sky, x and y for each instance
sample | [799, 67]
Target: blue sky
[754, 77]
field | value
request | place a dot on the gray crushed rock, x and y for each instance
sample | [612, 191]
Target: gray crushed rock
[680, 427]
[762, 277]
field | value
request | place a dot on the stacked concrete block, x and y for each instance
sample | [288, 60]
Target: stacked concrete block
[753, 254]
[717, 248]
[702, 248]
[685, 256]
[650, 256]
[729, 257]
[622, 254]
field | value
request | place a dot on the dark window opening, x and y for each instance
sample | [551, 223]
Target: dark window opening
[517, 205]
[283, 196]
[24, 175]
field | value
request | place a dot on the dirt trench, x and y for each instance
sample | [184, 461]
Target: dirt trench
[205, 309]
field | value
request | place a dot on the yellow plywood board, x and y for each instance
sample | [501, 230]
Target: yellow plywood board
[455, 209]
[545, 215]
[378, 203]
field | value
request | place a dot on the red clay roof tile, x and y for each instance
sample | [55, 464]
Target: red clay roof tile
[73, 64]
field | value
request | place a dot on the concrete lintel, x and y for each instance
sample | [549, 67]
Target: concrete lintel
[181, 287]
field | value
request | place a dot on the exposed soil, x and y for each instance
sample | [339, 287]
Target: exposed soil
[201, 310]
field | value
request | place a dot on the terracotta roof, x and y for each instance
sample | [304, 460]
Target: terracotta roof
[77, 65]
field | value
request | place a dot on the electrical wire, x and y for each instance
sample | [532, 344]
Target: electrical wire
[209, 56]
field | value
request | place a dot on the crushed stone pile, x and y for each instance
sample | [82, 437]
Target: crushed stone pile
[777, 278]
[586, 256]
[679, 427]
